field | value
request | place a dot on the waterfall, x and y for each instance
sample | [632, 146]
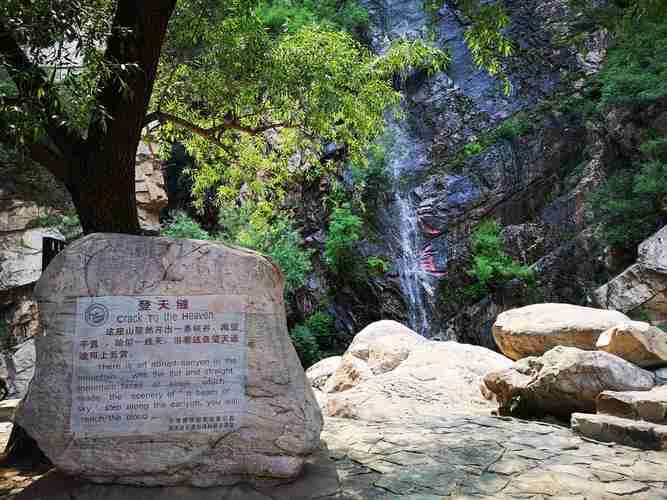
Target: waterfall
[404, 156]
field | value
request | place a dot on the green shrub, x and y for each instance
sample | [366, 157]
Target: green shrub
[377, 266]
[491, 266]
[512, 128]
[181, 225]
[472, 149]
[636, 68]
[344, 232]
[306, 346]
[632, 204]
[313, 340]
[276, 237]
[288, 16]
[68, 225]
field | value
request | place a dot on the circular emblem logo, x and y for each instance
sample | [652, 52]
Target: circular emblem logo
[96, 315]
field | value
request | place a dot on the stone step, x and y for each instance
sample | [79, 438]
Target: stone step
[7, 409]
[608, 428]
[638, 405]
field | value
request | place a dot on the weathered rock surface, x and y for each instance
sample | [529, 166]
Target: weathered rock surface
[282, 423]
[150, 186]
[608, 428]
[437, 378]
[378, 348]
[17, 367]
[660, 376]
[8, 409]
[21, 256]
[637, 342]
[474, 457]
[643, 281]
[639, 405]
[319, 373]
[17, 354]
[563, 381]
[535, 329]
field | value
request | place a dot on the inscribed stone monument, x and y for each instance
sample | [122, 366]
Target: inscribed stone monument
[166, 362]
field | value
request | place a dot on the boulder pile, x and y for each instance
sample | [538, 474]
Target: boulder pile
[574, 361]
[391, 372]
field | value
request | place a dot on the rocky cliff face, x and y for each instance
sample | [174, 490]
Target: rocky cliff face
[468, 153]
[32, 206]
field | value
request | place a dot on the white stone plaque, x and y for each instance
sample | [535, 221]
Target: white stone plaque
[149, 364]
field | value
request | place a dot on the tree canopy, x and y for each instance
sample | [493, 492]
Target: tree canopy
[253, 104]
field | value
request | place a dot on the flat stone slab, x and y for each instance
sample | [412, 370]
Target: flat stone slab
[635, 433]
[463, 457]
[638, 405]
[7, 409]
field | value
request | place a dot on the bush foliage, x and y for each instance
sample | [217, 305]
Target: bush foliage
[491, 266]
[313, 340]
[632, 203]
[344, 232]
[275, 236]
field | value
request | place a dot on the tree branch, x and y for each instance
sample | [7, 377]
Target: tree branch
[35, 90]
[211, 134]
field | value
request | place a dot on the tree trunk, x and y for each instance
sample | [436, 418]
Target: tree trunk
[103, 183]
[103, 192]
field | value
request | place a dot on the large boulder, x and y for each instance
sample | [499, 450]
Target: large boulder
[637, 342]
[563, 381]
[643, 282]
[379, 348]
[437, 378]
[166, 362]
[535, 329]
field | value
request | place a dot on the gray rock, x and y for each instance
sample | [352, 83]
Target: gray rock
[281, 423]
[607, 428]
[563, 381]
[21, 256]
[17, 367]
[641, 282]
[638, 405]
[660, 376]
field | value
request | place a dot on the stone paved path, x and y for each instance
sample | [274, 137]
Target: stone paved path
[486, 457]
[464, 457]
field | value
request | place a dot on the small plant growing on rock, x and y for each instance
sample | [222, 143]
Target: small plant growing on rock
[344, 232]
[377, 266]
[491, 266]
[181, 225]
